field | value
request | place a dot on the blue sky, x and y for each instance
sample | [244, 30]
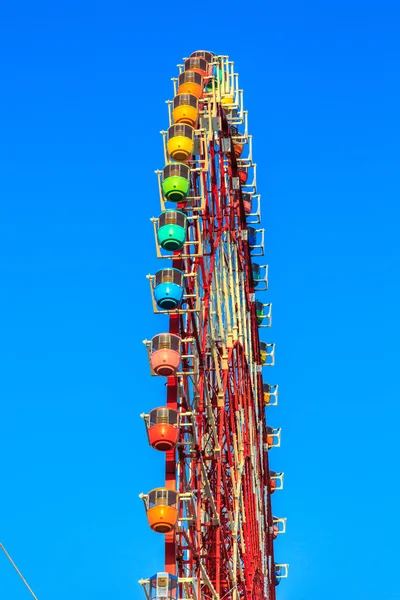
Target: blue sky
[82, 102]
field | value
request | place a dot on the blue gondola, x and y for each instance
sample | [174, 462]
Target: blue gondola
[163, 586]
[168, 289]
[256, 270]
[252, 237]
[277, 573]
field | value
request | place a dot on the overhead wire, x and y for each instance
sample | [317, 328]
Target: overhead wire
[18, 571]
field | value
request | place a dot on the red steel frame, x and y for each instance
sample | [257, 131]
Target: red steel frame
[222, 547]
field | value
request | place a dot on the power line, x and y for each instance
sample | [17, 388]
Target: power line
[18, 571]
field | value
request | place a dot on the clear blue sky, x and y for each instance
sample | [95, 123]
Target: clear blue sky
[83, 86]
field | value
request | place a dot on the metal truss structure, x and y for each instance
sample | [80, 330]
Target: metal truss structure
[221, 547]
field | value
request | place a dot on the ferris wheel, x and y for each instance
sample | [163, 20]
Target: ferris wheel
[214, 508]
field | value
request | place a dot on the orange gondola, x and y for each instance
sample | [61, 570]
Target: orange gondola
[162, 509]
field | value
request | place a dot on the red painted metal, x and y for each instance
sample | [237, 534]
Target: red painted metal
[227, 526]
